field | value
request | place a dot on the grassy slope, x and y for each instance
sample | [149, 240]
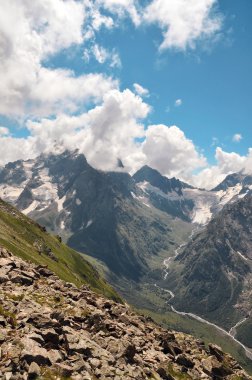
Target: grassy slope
[20, 235]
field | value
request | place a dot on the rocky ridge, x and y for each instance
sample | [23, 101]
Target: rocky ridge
[51, 329]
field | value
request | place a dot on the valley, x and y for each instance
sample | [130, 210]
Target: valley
[136, 231]
[231, 333]
[125, 190]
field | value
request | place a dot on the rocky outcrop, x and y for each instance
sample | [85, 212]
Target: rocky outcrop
[51, 329]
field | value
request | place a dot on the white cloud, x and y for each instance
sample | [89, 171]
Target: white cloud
[46, 27]
[102, 55]
[31, 32]
[183, 22]
[226, 163]
[28, 87]
[115, 60]
[113, 130]
[98, 20]
[168, 150]
[237, 137]
[4, 131]
[140, 90]
[110, 131]
[178, 102]
[122, 8]
[103, 134]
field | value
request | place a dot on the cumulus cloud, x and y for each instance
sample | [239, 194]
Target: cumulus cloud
[27, 86]
[178, 102]
[183, 22]
[168, 150]
[40, 32]
[114, 130]
[104, 134]
[237, 137]
[31, 32]
[226, 163]
[110, 131]
[140, 90]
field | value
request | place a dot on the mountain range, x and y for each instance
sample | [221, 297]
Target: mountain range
[128, 225]
[212, 275]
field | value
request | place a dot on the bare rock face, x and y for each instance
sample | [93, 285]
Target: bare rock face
[53, 330]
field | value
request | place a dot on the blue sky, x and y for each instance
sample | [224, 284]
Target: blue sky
[209, 76]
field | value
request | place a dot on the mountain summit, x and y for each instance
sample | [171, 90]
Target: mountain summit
[166, 185]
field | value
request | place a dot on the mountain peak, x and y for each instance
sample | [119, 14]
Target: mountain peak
[234, 179]
[156, 179]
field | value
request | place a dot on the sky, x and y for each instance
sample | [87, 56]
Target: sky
[166, 83]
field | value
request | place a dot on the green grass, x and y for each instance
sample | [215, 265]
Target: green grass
[21, 236]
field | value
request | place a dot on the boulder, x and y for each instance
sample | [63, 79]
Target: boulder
[33, 371]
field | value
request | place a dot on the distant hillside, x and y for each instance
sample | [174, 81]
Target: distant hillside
[212, 275]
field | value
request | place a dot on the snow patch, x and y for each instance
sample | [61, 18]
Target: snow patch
[10, 193]
[48, 191]
[133, 195]
[31, 208]
[28, 166]
[78, 201]
[204, 202]
[229, 195]
[242, 256]
[89, 223]
[202, 213]
[60, 203]
[147, 188]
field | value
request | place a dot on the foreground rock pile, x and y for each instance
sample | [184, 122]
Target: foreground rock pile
[52, 330]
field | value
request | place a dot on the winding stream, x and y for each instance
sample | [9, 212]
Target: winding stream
[231, 333]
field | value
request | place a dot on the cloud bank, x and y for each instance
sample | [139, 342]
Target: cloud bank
[88, 111]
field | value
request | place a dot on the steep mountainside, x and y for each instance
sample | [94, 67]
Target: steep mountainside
[95, 212]
[165, 194]
[30, 241]
[163, 183]
[53, 330]
[181, 200]
[212, 275]
[232, 180]
[127, 226]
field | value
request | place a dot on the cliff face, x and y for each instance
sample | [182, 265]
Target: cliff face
[51, 329]
[213, 272]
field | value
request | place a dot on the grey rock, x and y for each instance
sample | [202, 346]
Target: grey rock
[33, 371]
